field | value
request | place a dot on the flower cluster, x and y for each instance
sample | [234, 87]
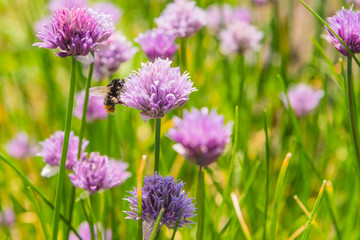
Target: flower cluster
[201, 136]
[108, 8]
[116, 50]
[157, 43]
[76, 32]
[98, 173]
[240, 37]
[51, 152]
[21, 147]
[7, 217]
[346, 23]
[182, 18]
[95, 109]
[156, 89]
[162, 192]
[303, 99]
[85, 232]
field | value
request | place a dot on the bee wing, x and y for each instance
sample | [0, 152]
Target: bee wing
[99, 91]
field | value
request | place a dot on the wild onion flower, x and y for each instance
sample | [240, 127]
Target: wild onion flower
[7, 217]
[156, 89]
[109, 9]
[21, 147]
[51, 152]
[157, 43]
[181, 18]
[98, 173]
[116, 50]
[161, 192]
[218, 16]
[261, 2]
[85, 232]
[240, 37]
[76, 32]
[346, 23]
[201, 136]
[95, 109]
[303, 99]
[55, 5]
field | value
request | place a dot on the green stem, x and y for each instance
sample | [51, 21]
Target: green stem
[241, 69]
[267, 159]
[176, 225]
[183, 53]
[88, 219]
[60, 180]
[200, 201]
[70, 211]
[157, 143]
[351, 103]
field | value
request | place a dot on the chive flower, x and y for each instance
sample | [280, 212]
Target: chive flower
[156, 89]
[98, 173]
[161, 192]
[95, 109]
[116, 50]
[55, 5]
[7, 217]
[109, 9]
[84, 232]
[303, 99]
[51, 152]
[181, 18]
[200, 136]
[156, 43]
[21, 147]
[240, 37]
[346, 23]
[76, 32]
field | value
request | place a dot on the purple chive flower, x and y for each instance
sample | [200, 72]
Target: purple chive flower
[116, 51]
[346, 23]
[261, 2]
[182, 18]
[240, 37]
[21, 147]
[356, 2]
[76, 32]
[109, 9]
[98, 173]
[51, 152]
[7, 217]
[303, 99]
[157, 43]
[55, 5]
[85, 232]
[156, 89]
[95, 109]
[201, 136]
[218, 16]
[161, 192]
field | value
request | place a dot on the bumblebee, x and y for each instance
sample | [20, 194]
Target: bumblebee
[111, 93]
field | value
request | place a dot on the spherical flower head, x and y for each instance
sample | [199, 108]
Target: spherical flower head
[156, 89]
[240, 37]
[157, 43]
[76, 32]
[182, 18]
[21, 147]
[303, 99]
[55, 5]
[51, 152]
[218, 16]
[162, 192]
[85, 232]
[7, 217]
[98, 173]
[116, 50]
[109, 9]
[201, 136]
[346, 23]
[95, 109]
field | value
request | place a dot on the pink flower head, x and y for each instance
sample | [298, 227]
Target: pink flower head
[21, 147]
[303, 98]
[201, 136]
[55, 5]
[76, 32]
[182, 18]
[95, 109]
[85, 232]
[157, 89]
[109, 9]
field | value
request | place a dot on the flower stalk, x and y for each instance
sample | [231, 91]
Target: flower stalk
[200, 200]
[157, 144]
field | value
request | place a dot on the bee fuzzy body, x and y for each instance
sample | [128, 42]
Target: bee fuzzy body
[115, 87]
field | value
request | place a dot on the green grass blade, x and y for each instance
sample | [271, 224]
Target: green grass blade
[154, 231]
[240, 217]
[43, 225]
[176, 225]
[267, 162]
[313, 213]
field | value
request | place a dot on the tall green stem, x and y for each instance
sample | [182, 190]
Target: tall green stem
[62, 170]
[157, 143]
[200, 201]
[183, 53]
[351, 104]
